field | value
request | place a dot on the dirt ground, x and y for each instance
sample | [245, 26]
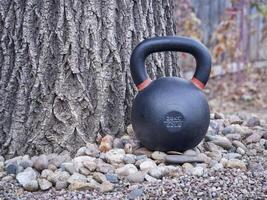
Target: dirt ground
[245, 91]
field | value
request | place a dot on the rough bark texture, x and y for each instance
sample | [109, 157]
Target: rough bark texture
[64, 69]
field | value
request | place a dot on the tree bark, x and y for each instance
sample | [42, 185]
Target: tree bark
[64, 69]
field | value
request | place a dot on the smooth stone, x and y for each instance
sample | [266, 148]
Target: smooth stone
[126, 170]
[240, 151]
[217, 167]
[216, 155]
[179, 159]
[158, 155]
[57, 160]
[235, 163]
[137, 177]
[218, 115]
[2, 159]
[197, 171]
[190, 152]
[129, 159]
[106, 187]
[106, 143]
[230, 156]
[26, 177]
[58, 176]
[143, 151]
[25, 162]
[253, 121]
[44, 184]
[61, 185]
[84, 171]
[11, 169]
[187, 167]
[31, 186]
[68, 166]
[130, 130]
[7, 178]
[113, 178]
[141, 157]
[99, 177]
[158, 172]
[212, 147]
[147, 165]
[92, 150]
[234, 136]
[136, 193]
[40, 163]
[52, 167]
[234, 119]
[104, 168]
[150, 178]
[77, 177]
[237, 144]
[80, 185]
[174, 153]
[90, 165]
[224, 161]
[14, 160]
[118, 143]
[204, 157]
[128, 148]
[115, 156]
[220, 141]
[45, 173]
[255, 137]
[81, 152]
[2, 166]
[78, 161]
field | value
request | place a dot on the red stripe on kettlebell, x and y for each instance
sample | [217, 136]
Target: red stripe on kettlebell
[198, 83]
[144, 84]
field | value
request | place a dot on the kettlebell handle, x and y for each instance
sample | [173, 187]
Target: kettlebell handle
[170, 43]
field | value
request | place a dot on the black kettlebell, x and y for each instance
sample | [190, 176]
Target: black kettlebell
[170, 113]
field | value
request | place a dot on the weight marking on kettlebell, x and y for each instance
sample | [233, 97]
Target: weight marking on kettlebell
[173, 121]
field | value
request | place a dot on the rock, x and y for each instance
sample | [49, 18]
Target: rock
[264, 136]
[235, 163]
[25, 162]
[84, 171]
[90, 165]
[187, 167]
[150, 178]
[237, 144]
[240, 151]
[174, 153]
[234, 136]
[40, 163]
[143, 151]
[13, 160]
[92, 150]
[253, 121]
[255, 137]
[57, 160]
[158, 155]
[27, 178]
[217, 167]
[130, 130]
[136, 193]
[209, 146]
[220, 141]
[19, 169]
[2, 166]
[128, 148]
[216, 155]
[141, 157]
[197, 171]
[31, 186]
[204, 157]
[79, 161]
[113, 178]
[190, 152]
[118, 143]
[147, 165]
[77, 177]
[230, 156]
[158, 172]
[44, 184]
[11, 168]
[52, 167]
[104, 167]
[137, 177]
[106, 187]
[115, 156]
[68, 166]
[80, 185]
[234, 119]
[218, 115]
[2, 159]
[106, 143]
[47, 172]
[7, 178]
[81, 152]
[179, 159]
[58, 176]
[61, 185]
[126, 170]
[129, 159]
[99, 177]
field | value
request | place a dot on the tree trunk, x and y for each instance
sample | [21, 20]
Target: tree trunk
[64, 69]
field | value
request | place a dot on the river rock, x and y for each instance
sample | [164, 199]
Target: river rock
[217, 167]
[77, 177]
[79, 161]
[81, 152]
[115, 156]
[143, 151]
[255, 137]
[80, 185]
[90, 165]
[84, 171]
[179, 159]
[45, 173]
[104, 167]
[253, 121]
[234, 136]
[106, 143]
[158, 172]
[113, 178]
[118, 143]
[235, 163]
[106, 187]
[240, 151]
[187, 167]
[197, 171]
[11, 168]
[99, 177]
[128, 148]
[150, 178]
[158, 155]
[27, 179]
[61, 185]
[130, 130]
[129, 159]
[137, 177]
[25, 162]
[40, 163]
[68, 166]
[92, 150]
[44, 184]
[126, 170]
[237, 144]
[58, 176]
[220, 141]
[147, 165]
[135, 193]
[230, 156]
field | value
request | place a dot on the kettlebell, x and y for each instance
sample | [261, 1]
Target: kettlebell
[170, 113]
